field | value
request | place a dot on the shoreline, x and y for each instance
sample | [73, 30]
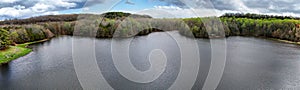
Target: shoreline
[284, 41]
[15, 52]
[20, 50]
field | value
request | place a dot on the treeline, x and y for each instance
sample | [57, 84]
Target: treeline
[122, 15]
[257, 16]
[69, 18]
[90, 27]
[287, 29]
[27, 33]
[117, 24]
[34, 20]
[108, 28]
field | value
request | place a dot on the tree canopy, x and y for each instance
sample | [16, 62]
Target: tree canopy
[4, 39]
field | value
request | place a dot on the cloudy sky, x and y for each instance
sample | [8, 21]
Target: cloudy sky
[157, 8]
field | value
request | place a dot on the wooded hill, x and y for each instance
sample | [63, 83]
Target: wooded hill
[69, 18]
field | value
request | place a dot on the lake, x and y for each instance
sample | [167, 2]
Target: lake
[252, 63]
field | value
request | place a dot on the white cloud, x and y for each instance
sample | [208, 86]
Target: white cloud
[8, 1]
[240, 6]
[40, 7]
[86, 9]
[29, 8]
[51, 13]
[177, 12]
[245, 6]
[61, 3]
[43, 7]
[20, 11]
[175, 8]
[13, 12]
[168, 7]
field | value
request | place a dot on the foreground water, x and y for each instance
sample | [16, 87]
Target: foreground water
[252, 63]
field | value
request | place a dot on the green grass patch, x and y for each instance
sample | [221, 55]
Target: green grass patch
[14, 52]
[29, 43]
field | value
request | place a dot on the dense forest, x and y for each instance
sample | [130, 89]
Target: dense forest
[257, 16]
[287, 29]
[118, 24]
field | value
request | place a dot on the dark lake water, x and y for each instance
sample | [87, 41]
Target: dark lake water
[252, 63]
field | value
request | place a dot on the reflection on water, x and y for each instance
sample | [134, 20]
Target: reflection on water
[252, 63]
[261, 64]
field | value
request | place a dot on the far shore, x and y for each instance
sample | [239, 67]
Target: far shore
[124, 25]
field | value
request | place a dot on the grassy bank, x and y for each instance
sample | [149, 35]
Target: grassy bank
[14, 52]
